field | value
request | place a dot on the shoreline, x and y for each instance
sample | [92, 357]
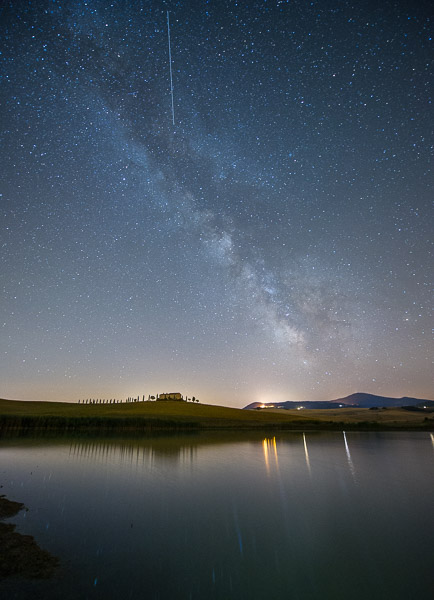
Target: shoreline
[59, 425]
[20, 555]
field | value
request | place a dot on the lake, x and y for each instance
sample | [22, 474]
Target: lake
[293, 516]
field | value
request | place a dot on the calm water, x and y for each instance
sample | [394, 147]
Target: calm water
[313, 516]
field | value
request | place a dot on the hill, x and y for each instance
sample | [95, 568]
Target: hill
[359, 400]
[370, 400]
[16, 414]
[146, 417]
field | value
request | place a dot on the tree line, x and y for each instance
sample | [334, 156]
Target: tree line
[128, 400]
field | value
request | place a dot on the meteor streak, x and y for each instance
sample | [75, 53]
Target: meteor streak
[170, 67]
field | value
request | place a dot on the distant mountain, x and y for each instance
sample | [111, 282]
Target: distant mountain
[370, 400]
[358, 400]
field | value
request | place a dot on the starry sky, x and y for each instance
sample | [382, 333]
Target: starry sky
[275, 243]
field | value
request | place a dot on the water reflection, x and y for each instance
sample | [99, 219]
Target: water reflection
[349, 459]
[306, 453]
[200, 517]
[269, 447]
[152, 452]
[144, 455]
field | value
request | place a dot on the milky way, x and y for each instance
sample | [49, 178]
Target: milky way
[276, 243]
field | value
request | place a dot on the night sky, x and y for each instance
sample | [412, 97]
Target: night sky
[276, 243]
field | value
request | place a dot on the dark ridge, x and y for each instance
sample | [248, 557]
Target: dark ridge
[359, 400]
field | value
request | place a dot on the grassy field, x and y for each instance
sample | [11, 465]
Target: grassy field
[138, 415]
[390, 417]
[16, 414]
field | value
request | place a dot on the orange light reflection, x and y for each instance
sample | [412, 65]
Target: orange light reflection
[270, 446]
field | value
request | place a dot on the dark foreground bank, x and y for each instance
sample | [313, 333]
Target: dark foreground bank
[20, 555]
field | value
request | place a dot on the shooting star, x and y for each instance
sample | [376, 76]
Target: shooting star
[170, 67]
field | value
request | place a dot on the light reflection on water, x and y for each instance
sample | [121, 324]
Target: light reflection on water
[306, 452]
[223, 517]
[270, 449]
[349, 459]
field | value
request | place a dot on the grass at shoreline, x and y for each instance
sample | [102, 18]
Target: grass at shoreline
[18, 415]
